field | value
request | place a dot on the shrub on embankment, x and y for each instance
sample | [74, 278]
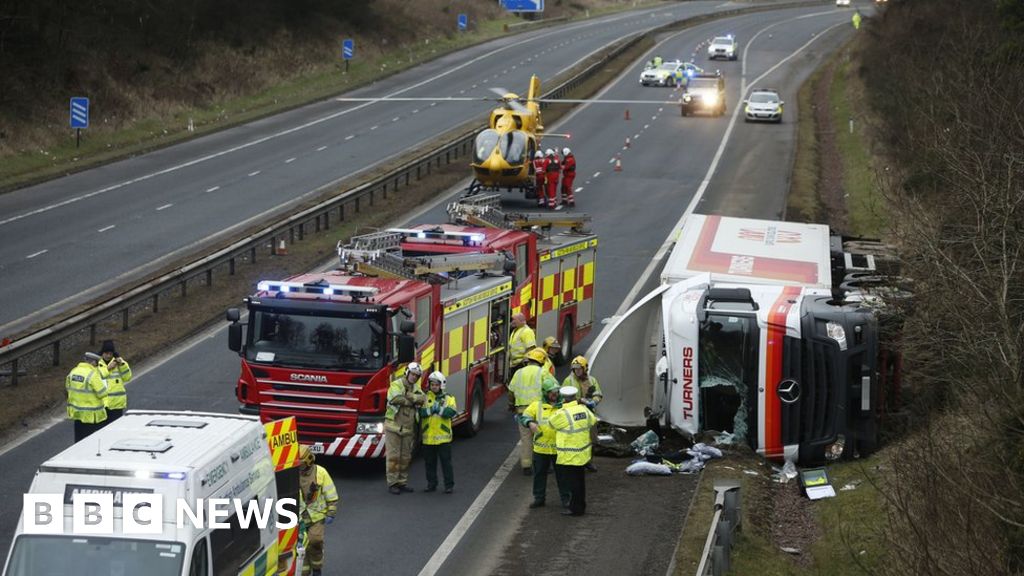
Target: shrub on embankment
[947, 80]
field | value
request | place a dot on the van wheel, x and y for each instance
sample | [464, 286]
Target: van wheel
[471, 426]
[567, 335]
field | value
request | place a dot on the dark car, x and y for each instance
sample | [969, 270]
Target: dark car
[704, 93]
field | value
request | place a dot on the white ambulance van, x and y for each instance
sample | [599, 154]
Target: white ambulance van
[178, 455]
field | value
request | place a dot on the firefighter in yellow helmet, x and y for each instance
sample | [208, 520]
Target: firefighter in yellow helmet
[404, 400]
[589, 390]
[574, 430]
[320, 500]
[554, 351]
[525, 389]
[86, 392]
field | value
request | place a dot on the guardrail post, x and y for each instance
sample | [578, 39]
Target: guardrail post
[316, 228]
[56, 353]
[156, 303]
[231, 267]
[327, 220]
[92, 334]
[370, 196]
[291, 234]
[124, 320]
[184, 288]
[341, 212]
[417, 172]
[273, 245]
[14, 372]
[395, 187]
[357, 205]
[384, 190]
[302, 231]
[407, 178]
[252, 255]
[447, 156]
[209, 278]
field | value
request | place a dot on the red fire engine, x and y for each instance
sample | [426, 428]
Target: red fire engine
[323, 347]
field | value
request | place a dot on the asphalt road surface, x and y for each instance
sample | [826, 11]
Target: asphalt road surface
[66, 241]
[634, 211]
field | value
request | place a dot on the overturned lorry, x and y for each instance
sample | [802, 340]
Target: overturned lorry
[759, 330]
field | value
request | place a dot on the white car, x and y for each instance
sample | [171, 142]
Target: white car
[764, 105]
[723, 47]
[842, 2]
[663, 75]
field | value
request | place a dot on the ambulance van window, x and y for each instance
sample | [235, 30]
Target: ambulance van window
[232, 546]
[200, 565]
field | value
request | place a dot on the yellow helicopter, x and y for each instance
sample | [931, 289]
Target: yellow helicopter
[503, 152]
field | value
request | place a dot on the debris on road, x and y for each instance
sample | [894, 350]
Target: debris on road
[645, 468]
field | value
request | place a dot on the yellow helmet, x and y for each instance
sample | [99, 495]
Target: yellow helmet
[538, 355]
[579, 361]
[306, 455]
[550, 342]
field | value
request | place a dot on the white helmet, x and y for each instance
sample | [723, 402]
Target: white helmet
[539, 154]
[414, 368]
[566, 151]
[550, 152]
[436, 376]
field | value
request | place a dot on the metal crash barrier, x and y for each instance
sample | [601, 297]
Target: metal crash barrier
[715, 560]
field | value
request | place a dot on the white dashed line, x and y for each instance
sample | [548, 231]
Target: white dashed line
[655, 117]
[580, 189]
[661, 109]
[395, 119]
[416, 111]
[290, 160]
[596, 174]
[164, 207]
[432, 104]
[36, 254]
[213, 189]
[646, 126]
[257, 172]
[372, 128]
[320, 149]
[611, 160]
[105, 228]
[350, 136]
[473, 86]
[635, 136]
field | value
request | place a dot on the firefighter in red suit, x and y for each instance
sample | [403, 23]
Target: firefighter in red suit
[568, 176]
[540, 184]
[551, 170]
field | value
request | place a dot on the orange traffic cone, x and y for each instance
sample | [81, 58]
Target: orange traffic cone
[627, 113]
[618, 164]
[282, 248]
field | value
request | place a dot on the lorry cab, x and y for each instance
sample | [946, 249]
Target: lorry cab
[180, 456]
[745, 337]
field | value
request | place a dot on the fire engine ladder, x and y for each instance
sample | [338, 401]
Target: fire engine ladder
[485, 211]
[379, 254]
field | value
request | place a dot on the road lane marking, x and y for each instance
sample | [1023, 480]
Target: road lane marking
[105, 228]
[256, 173]
[164, 207]
[670, 240]
[321, 149]
[350, 136]
[215, 188]
[462, 527]
[33, 255]
[290, 160]
[596, 174]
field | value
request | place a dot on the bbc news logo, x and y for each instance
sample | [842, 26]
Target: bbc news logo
[143, 513]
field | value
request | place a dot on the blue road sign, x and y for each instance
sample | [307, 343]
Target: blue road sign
[80, 112]
[463, 21]
[348, 48]
[523, 5]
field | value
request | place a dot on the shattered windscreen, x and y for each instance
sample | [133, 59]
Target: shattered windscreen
[727, 372]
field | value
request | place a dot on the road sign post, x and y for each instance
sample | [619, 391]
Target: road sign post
[463, 22]
[79, 117]
[348, 51]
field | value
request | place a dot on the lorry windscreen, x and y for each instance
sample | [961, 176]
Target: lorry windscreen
[34, 555]
[313, 340]
[727, 371]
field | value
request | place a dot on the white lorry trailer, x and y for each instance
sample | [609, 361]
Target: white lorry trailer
[753, 332]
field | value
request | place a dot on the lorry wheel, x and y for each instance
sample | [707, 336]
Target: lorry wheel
[470, 427]
[566, 342]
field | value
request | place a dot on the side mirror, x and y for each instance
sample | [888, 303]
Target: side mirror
[781, 102]
[407, 326]
[746, 101]
[235, 337]
[406, 348]
[232, 315]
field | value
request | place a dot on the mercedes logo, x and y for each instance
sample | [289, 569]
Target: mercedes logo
[788, 391]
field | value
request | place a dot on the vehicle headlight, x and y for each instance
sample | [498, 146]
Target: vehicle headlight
[686, 98]
[711, 99]
[370, 428]
[746, 109]
[836, 332]
[834, 451]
